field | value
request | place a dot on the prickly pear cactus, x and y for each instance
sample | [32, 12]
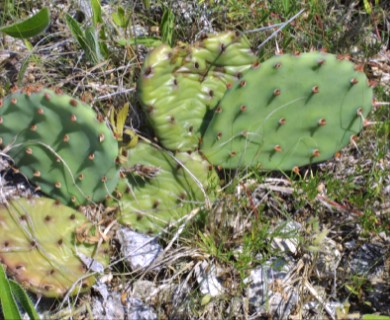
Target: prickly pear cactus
[179, 85]
[159, 189]
[60, 144]
[39, 246]
[290, 111]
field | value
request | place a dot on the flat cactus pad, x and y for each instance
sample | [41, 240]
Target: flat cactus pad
[290, 111]
[39, 246]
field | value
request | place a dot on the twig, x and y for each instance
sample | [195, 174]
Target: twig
[279, 29]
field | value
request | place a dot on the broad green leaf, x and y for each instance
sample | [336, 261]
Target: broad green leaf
[7, 300]
[24, 300]
[30, 27]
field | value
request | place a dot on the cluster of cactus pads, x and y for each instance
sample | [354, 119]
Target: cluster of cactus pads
[210, 104]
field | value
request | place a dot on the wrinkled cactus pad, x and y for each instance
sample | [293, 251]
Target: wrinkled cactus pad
[158, 189]
[290, 111]
[179, 85]
[60, 144]
[39, 246]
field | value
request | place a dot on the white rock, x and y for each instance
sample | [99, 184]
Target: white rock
[329, 258]
[288, 244]
[206, 276]
[268, 290]
[107, 305]
[139, 250]
[137, 310]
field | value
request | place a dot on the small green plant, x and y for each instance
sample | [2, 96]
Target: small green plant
[167, 26]
[90, 38]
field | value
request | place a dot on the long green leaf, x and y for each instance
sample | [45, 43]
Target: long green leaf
[167, 26]
[96, 12]
[146, 41]
[29, 27]
[119, 18]
[374, 317]
[93, 45]
[7, 300]
[21, 296]
[76, 31]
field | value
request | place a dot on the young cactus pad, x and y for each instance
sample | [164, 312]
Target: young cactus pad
[292, 110]
[38, 245]
[158, 188]
[60, 144]
[179, 85]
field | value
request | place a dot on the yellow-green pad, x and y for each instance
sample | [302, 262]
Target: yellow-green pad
[38, 245]
[290, 111]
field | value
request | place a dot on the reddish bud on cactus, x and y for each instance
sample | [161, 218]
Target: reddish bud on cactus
[277, 65]
[322, 122]
[277, 148]
[316, 153]
[354, 81]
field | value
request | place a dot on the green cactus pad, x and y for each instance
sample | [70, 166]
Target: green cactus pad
[290, 111]
[38, 246]
[158, 189]
[179, 85]
[60, 145]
